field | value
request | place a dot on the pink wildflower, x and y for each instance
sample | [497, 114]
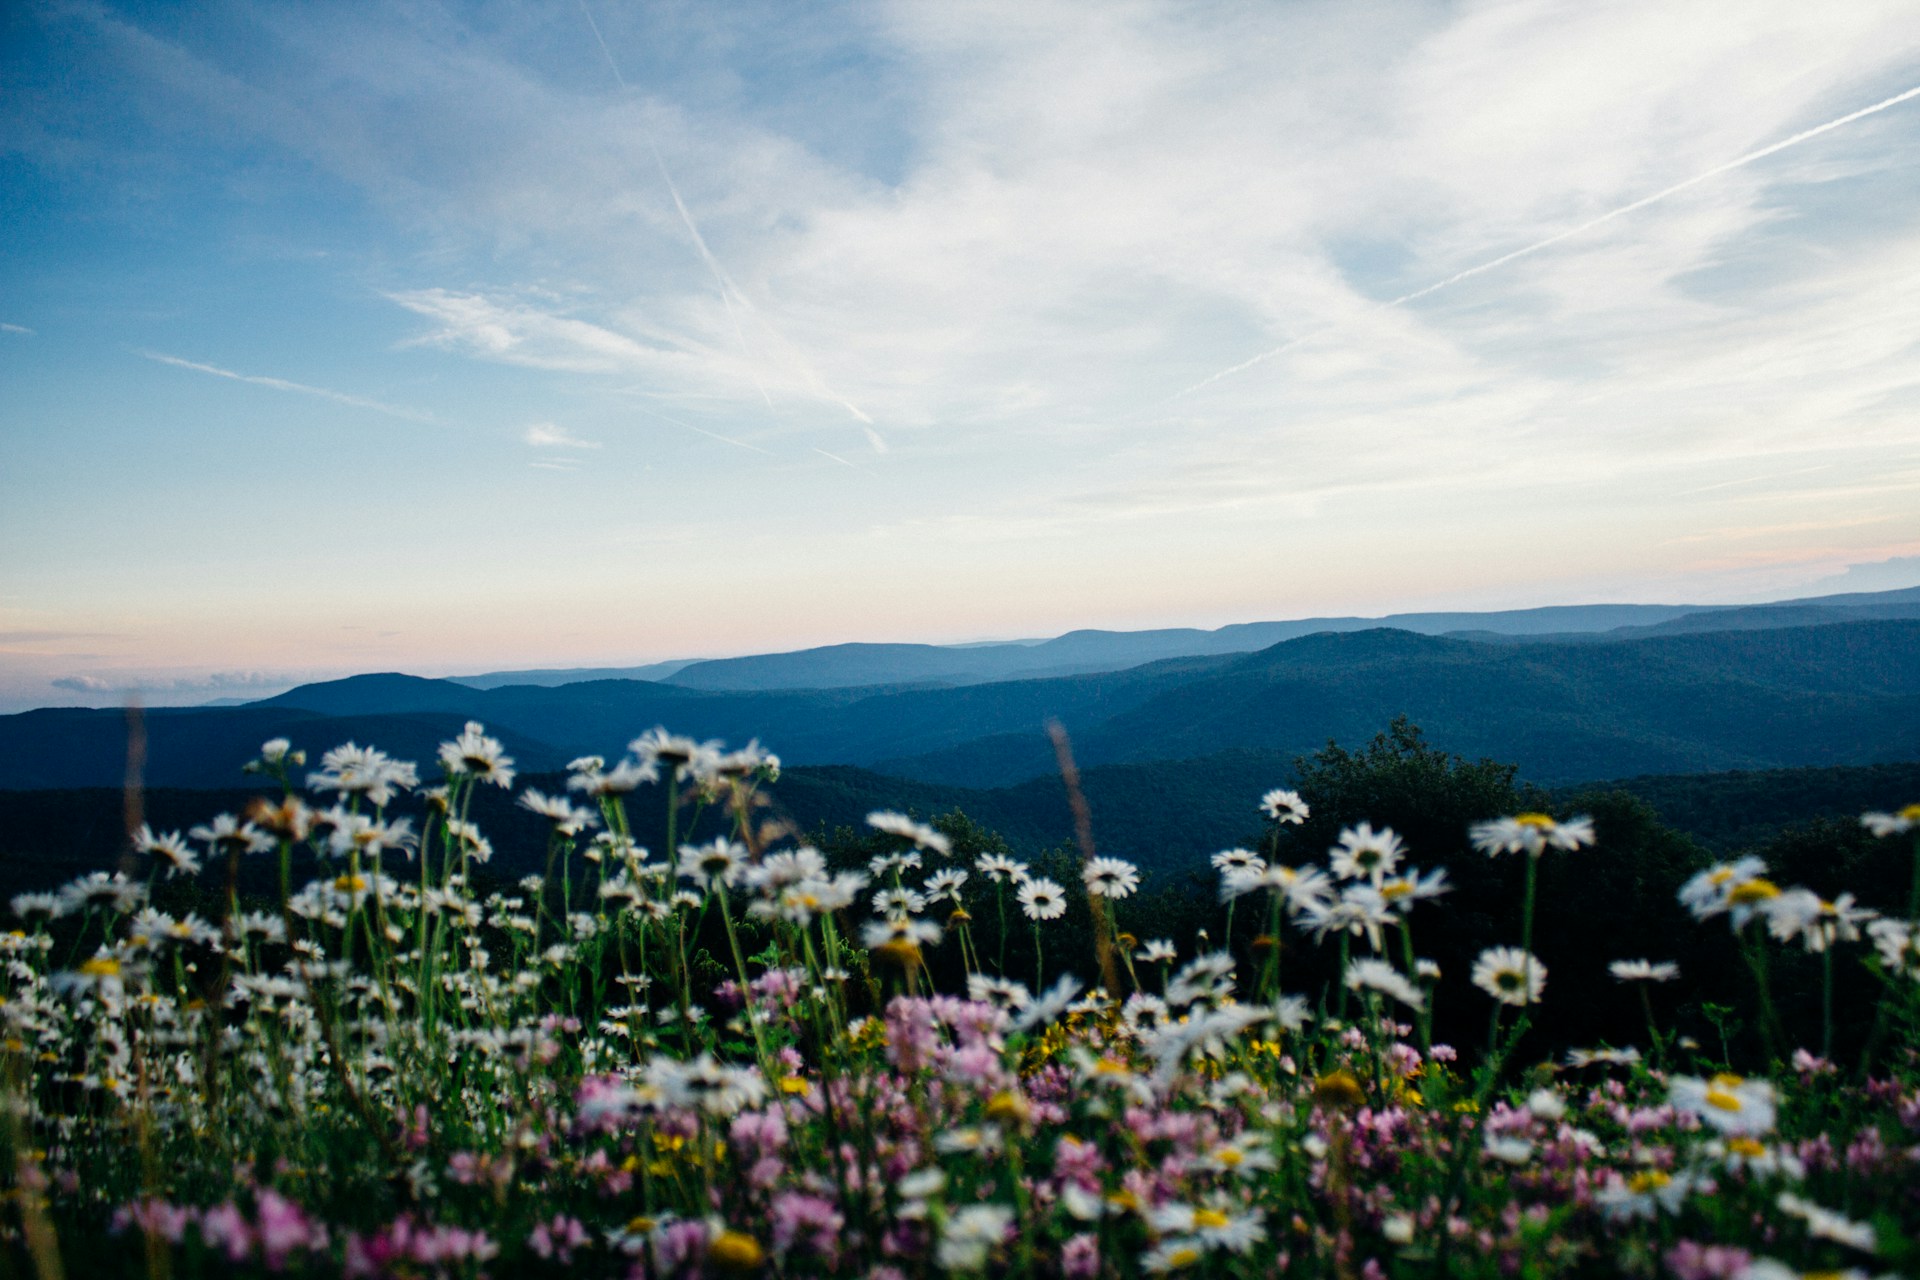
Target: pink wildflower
[558, 1238]
[1691, 1261]
[225, 1227]
[808, 1222]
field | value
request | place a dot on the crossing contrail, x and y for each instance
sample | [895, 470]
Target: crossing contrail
[730, 293]
[1568, 234]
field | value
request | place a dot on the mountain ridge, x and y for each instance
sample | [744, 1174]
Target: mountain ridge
[1843, 693]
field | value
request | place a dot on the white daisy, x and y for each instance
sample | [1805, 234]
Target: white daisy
[1378, 975]
[999, 868]
[1238, 860]
[1510, 975]
[719, 861]
[1042, 899]
[1285, 807]
[1110, 878]
[918, 833]
[473, 754]
[1729, 1103]
[1705, 894]
[1366, 854]
[1530, 833]
[1643, 971]
[1892, 824]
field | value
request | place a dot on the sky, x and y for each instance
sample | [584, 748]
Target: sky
[457, 337]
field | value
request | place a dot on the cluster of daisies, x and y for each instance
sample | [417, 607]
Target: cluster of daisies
[734, 1059]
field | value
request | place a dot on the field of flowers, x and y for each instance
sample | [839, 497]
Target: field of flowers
[732, 1058]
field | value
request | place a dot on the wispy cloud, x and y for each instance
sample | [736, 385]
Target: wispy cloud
[17, 328]
[1591, 224]
[300, 388]
[237, 682]
[1534, 288]
[550, 435]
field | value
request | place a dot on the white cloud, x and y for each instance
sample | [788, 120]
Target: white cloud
[549, 435]
[16, 328]
[1892, 574]
[978, 251]
[207, 682]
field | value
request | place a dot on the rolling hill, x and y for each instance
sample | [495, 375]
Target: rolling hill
[1079, 652]
[1564, 711]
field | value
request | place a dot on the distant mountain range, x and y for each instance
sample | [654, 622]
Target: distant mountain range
[845, 666]
[1566, 709]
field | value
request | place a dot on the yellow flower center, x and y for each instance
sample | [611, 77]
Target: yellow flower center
[1231, 1157]
[1008, 1107]
[1748, 892]
[1747, 1147]
[350, 884]
[1209, 1218]
[1184, 1256]
[1648, 1181]
[1538, 820]
[792, 1084]
[1395, 889]
[1339, 1088]
[1911, 813]
[1723, 1100]
[101, 967]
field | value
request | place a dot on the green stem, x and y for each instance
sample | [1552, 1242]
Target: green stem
[1756, 954]
[1526, 921]
[1340, 983]
[1653, 1030]
[1826, 1003]
[1270, 982]
[1000, 891]
[1898, 989]
[1423, 1016]
[746, 995]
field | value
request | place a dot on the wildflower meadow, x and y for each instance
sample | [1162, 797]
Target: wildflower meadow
[736, 1056]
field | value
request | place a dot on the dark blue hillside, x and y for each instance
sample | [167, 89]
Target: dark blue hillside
[1845, 694]
[1565, 712]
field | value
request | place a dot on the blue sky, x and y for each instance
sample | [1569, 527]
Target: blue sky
[454, 337]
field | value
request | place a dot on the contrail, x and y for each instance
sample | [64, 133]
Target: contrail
[1570, 232]
[731, 293]
[601, 41]
[712, 435]
[727, 290]
[281, 384]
